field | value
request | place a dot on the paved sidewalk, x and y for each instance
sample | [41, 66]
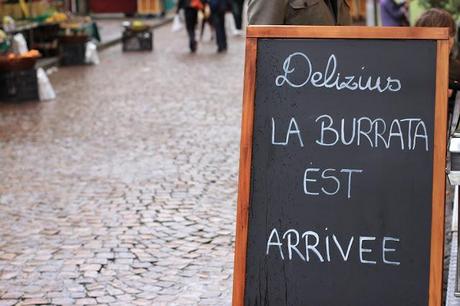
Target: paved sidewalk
[122, 191]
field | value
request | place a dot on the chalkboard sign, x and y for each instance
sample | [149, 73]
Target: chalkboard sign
[341, 189]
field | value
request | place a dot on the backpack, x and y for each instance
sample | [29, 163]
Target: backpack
[197, 4]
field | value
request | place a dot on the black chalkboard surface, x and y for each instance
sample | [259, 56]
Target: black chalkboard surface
[340, 187]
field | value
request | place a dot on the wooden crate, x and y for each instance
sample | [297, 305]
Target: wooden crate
[146, 7]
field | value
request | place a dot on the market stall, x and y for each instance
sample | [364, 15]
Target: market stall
[30, 30]
[75, 39]
[48, 27]
[18, 76]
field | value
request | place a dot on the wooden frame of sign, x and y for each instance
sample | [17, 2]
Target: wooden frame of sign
[254, 33]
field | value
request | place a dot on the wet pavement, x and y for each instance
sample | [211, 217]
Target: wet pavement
[122, 191]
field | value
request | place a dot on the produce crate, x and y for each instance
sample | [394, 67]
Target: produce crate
[137, 40]
[15, 64]
[46, 39]
[72, 50]
[18, 86]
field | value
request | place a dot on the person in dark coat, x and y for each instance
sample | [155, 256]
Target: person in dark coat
[191, 8]
[299, 12]
[394, 14]
[218, 10]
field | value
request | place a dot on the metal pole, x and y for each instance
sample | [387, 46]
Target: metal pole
[376, 12]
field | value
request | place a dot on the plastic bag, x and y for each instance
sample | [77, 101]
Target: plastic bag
[177, 24]
[45, 89]
[91, 55]
[9, 24]
[19, 44]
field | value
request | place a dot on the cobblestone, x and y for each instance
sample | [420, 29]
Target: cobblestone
[122, 191]
[63, 301]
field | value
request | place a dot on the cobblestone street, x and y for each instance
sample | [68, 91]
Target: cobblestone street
[122, 191]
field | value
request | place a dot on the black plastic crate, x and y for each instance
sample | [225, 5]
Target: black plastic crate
[19, 86]
[46, 39]
[137, 40]
[72, 53]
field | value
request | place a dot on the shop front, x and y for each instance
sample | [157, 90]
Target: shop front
[128, 7]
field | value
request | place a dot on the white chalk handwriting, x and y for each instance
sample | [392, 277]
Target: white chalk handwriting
[311, 247]
[331, 78]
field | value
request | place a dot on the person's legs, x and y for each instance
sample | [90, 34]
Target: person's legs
[224, 34]
[191, 18]
[163, 8]
[219, 24]
[237, 10]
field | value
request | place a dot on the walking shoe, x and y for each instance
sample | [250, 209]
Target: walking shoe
[237, 32]
[193, 46]
[222, 49]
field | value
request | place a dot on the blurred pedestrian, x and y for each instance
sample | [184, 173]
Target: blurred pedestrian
[394, 14]
[237, 11]
[191, 8]
[206, 20]
[218, 10]
[440, 18]
[163, 8]
[299, 12]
